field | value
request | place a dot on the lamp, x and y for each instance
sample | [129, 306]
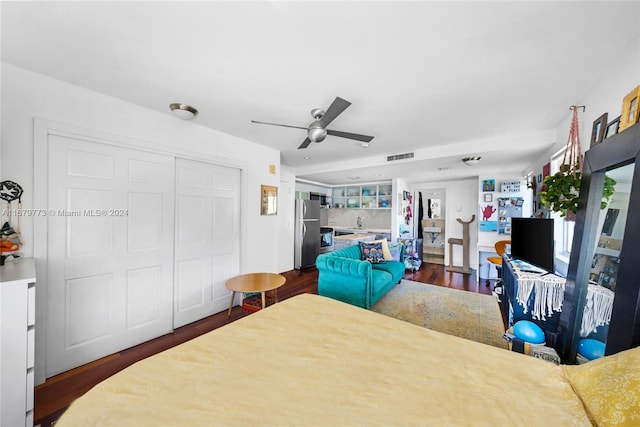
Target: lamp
[183, 111]
[471, 161]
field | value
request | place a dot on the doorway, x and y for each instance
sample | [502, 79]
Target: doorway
[432, 224]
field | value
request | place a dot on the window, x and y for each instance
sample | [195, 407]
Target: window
[565, 228]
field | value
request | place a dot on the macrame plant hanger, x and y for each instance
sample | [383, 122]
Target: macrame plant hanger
[573, 154]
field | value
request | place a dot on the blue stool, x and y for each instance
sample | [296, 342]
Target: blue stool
[529, 332]
[591, 349]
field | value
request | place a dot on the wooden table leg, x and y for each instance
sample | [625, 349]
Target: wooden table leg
[264, 300]
[233, 295]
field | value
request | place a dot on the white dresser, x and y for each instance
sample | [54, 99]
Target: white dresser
[17, 322]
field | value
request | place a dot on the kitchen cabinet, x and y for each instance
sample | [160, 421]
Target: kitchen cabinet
[372, 196]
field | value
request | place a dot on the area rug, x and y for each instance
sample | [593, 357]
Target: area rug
[451, 311]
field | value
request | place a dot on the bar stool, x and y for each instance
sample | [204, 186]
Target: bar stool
[500, 246]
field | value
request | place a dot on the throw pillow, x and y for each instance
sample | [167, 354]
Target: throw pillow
[385, 248]
[609, 387]
[371, 252]
[396, 251]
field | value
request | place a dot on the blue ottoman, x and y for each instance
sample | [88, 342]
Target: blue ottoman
[528, 332]
[591, 349]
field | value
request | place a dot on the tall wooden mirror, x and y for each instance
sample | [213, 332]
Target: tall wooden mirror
[604, 255]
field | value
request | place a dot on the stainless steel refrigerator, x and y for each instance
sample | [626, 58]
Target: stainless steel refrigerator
[307, 233]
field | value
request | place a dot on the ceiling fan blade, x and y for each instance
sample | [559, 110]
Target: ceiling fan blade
[278, 124]
[356, 136]
[305, 143]
[335, 109]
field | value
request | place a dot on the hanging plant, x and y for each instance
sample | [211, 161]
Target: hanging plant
[561, 191]
[563, 188]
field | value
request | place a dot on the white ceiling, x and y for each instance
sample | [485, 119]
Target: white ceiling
[442, 79]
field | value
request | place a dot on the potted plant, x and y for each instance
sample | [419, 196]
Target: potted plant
[561, 191]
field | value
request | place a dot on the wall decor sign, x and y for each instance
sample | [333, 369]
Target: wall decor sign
[488, 198]
[630, 109]
[612, 127]
[510, 186]
[268, 200]
[598, 129]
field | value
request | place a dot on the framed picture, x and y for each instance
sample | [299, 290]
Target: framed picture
[598, 128]
[612, 127]
[546, 169]
[630, 110]
[268, 200]
[539, 177]
[488, 185]
[488, 198]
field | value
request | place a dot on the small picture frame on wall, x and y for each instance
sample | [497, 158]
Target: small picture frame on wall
[268, 200]
[630, 109]
[488, 198]
[612, 127]
[598, 129]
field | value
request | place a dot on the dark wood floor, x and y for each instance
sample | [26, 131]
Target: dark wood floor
[55, 395]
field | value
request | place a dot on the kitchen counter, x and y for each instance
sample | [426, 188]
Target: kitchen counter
[355, 236]
[360, 230]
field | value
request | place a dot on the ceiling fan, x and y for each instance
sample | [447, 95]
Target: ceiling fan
[317, 130]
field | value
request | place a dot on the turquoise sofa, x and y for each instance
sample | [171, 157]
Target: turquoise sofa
[344, 277]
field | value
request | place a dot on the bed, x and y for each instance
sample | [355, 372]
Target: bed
[310, 360]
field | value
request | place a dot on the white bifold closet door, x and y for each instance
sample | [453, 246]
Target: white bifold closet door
[110, 249]
[207, 242]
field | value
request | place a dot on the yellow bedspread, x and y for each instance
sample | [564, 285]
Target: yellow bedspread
[313, 361]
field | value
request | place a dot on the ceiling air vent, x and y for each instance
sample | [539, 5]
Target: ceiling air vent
[399, 157]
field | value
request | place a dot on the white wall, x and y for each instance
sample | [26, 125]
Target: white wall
[26, 95]
[286, 214]
[486, 240]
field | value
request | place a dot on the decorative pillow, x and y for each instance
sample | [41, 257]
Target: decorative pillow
[396, 251]
[609, 388]
[371, 252]
[385, 248]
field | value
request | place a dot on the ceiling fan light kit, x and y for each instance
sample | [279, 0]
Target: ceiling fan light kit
[317, 131]
[183, 111]
[471, 161]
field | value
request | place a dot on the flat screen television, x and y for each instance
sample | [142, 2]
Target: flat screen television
[532, 241]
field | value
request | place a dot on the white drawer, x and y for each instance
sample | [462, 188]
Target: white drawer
[31, 304]
[31, 343]
[30, 385]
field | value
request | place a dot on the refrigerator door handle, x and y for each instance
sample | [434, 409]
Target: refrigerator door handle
[304, 230]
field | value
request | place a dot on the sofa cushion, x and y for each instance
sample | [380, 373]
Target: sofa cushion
[395, 269]
[381, 280]
[371, 252]
[395, 249]
[352, 252]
